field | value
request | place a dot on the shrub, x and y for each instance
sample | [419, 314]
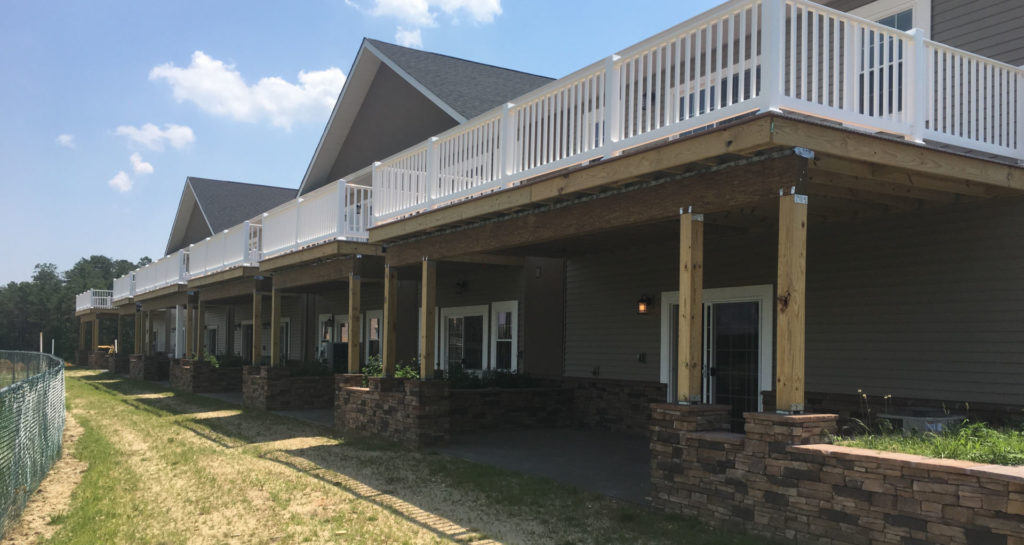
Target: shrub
[971, 441]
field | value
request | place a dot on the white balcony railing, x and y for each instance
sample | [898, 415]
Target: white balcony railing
[166, 271]
[94, 299]
[235, 247]
[124, 287]
[741, 57]
[338, 211]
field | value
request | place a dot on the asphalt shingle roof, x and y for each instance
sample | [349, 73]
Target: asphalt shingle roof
[227, 204]
[470, 88]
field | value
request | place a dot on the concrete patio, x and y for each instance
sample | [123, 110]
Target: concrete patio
[612, 464]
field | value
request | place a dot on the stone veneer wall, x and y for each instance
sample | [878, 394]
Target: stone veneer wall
[98, 359]
[614, 405]
[273, 388]
[201, 376]
[118, 363]
[510, 408]
[779, 480]
[142, 367]
[412, 412]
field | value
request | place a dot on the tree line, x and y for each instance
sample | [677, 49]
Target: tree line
[47, 303]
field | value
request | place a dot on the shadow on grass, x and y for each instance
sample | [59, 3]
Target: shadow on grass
[450, 498]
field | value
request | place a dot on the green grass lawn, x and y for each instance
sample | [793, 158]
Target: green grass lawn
[975, 442]
[170, 468]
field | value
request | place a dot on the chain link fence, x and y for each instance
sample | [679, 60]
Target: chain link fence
[31, 426]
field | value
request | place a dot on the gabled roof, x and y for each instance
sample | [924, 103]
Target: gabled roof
[461, 89]
[470, 88]
[211, 206]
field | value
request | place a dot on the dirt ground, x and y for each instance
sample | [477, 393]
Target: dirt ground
[54, 494]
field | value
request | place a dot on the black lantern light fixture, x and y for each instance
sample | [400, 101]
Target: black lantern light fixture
[643, 305]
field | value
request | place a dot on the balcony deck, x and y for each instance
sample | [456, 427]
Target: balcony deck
[739, 62]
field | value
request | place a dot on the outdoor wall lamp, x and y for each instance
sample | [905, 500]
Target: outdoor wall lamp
[643, 305]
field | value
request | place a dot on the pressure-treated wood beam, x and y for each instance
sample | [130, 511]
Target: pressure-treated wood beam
[95, 333]
[257, 327]
[355, 322]
[691, 287]
[790, 303]
[390, 329]
[138, 333]
[428, 312]
[275, 328]
[190, 329]
[896, 157]
[201, 347]
[716, 191]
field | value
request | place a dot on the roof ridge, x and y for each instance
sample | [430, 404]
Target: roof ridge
[453, 57]
[200, 178]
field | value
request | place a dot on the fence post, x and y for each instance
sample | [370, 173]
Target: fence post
[917, 90]
[508, 141]
[773, 33]
[433, 171]
[612, 99]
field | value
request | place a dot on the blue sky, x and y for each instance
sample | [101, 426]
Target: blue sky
[107, 106]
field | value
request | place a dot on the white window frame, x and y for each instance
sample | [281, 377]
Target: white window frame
[286, 342]
[211, 350]
[365, 334]
[442, 331]
[505, 306]
[764, 294]
[339, 320]
[880, 9]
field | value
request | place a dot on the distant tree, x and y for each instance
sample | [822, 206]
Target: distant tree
[47, 304]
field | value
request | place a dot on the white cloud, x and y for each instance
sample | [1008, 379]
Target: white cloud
[219, 89]
[409, 38]
[151, 136]
[121, 182]
[423, 13]
[140, 166]
[66, 140]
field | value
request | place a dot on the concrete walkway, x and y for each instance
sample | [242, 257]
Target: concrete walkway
[612, 464]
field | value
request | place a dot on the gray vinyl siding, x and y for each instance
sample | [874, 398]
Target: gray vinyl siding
[991, 28]
[603, 333]
[926, 305]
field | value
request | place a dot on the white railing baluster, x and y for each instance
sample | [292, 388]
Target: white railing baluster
[917, 103]
[773, 34]
[612, 101]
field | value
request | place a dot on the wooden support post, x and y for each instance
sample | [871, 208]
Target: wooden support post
[229, 330]
[81, 335]
[257, 327]
[690, 318]
[275, 327]
[95, 333]
[428, 311]
[147, 325]
[789, 304]
[390, 329]
[355, 322]
[201, 347]
[120, 333]
[189, 329]
[138, 333]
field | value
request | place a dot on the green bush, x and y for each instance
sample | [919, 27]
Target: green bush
[407, 371]
[460, 379]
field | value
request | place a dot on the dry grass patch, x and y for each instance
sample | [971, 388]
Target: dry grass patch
[170, 468]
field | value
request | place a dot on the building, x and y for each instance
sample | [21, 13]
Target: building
[774, 206]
